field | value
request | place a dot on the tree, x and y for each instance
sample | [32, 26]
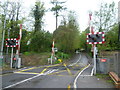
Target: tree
[105, 18]
[41, 42]
[67, 35]
[38, 12]
[10, 13]
[56, 9]
[111, 40]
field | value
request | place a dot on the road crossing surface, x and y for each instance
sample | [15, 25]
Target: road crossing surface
[65, 75]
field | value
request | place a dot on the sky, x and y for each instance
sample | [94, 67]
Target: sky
[81, 7]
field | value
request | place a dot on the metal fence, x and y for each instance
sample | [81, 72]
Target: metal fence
[112, 63]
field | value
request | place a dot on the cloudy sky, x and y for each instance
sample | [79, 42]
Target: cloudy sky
[81, 7]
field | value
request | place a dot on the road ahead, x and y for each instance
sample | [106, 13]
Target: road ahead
[64, 75]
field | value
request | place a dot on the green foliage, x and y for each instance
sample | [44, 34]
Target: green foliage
[63, 55]
[27, 53]
[57, 62]
[41, 42]
[67, 36]
[83, 45]
[111, 40]
[57, 8]
[38, 11]
[105, 17]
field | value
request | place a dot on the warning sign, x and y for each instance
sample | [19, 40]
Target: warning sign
[103, 60]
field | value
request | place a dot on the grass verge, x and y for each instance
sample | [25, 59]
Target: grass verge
[106, 77]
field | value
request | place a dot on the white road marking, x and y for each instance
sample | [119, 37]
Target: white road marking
[52, 71]
[79, 75]
[23, 81]
[76, 61]
[48, 72]
[92, 71]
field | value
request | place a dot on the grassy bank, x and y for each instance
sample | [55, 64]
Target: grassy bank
[37, 59]
[34, 59]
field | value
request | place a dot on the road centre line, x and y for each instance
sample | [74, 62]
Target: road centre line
[79, 75]
[68, 87]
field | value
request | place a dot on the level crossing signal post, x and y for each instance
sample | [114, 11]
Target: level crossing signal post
[95, 38]
[13, 42]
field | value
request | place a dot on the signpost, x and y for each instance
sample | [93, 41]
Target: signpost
[95, 38]
[13, 42]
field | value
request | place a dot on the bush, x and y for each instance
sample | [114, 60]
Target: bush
[62, 55]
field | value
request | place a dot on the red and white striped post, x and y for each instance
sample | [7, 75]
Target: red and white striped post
[90, 22]
[53, 52]
[19, 39]
[18, 47]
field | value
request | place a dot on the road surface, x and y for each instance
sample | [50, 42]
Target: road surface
[72, 74]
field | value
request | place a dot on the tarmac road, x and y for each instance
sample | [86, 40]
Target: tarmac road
[53, 76]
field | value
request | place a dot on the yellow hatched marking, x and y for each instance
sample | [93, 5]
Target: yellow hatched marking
[43, 71]
[27, 73]
[77, 65]
[67, 69]
[27, 69]
[53, 65]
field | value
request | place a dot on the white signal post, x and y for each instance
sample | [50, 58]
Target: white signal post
[93, 45]
[11, 58]
[94, 59]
